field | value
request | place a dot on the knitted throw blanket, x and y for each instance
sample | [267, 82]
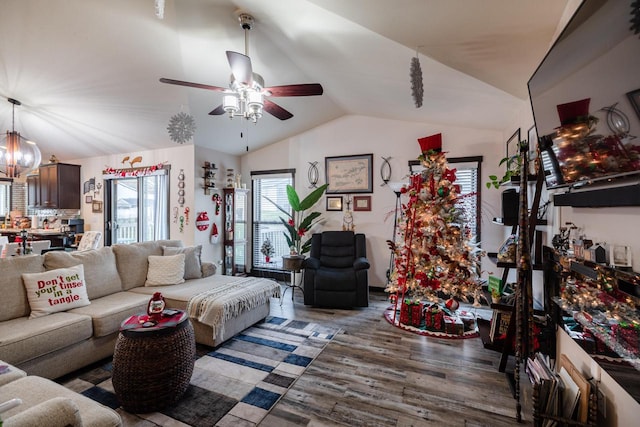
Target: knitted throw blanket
[214, 307]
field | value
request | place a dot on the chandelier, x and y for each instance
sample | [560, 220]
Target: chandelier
[17, 155]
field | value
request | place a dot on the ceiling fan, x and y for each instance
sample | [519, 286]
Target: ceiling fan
[246, 94]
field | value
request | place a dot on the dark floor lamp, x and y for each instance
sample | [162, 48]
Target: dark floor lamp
[396, 187]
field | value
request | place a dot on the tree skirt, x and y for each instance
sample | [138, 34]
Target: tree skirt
[469, 328]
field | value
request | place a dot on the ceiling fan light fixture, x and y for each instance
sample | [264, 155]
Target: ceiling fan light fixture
[230, 104]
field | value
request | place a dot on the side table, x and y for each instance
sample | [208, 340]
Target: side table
[153, 362]
[293, 264]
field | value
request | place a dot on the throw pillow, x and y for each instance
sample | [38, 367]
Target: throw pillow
[192, 263]
[55, 290]
[165, 270]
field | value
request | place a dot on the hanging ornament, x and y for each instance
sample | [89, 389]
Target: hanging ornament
[202, 221]
[181, 127]
[214, 234]
[217, 200]
[415, 72]
[181, 186]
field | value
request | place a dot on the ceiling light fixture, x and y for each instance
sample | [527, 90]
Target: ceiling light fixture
[245, 99]
[17, 155]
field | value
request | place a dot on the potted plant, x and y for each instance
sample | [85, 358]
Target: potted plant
[298, 224]
[267, 250]
[496, 295]
[512, 164]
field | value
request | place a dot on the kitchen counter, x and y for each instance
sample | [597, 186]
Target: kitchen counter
[33, 231]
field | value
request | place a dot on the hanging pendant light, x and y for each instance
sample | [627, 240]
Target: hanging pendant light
[17, 155]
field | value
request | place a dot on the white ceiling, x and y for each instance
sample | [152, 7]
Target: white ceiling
[87, 71]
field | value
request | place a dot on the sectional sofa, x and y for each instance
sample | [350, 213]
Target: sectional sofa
[117, 287]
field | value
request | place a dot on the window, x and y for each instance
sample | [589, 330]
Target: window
[266, 216]
[137, 208]
[5, 196]
[468, 171]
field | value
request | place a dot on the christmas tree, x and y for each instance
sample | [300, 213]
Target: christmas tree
[433, 255]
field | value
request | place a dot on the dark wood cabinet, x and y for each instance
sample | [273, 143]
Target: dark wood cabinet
[56, 187]
[33, 191]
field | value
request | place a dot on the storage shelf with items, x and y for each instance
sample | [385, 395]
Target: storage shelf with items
[597, 306]
[209, 177]
[522, 217]
[235, 222]
[565, 397]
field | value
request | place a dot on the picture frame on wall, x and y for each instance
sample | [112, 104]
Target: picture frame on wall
[620, 256]
[532, 139]
[88, 199]
[634, 99]
[361, 203]
[96, 206]
[334, 203]
[349, 174]
[513, 144]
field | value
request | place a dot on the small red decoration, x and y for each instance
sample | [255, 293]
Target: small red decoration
[214, 234]
[217, 200]
[202, 221]
[452, 304]
[156, 306]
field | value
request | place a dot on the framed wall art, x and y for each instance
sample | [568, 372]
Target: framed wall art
[88, 199]
[96, 206]
[349, 174]
[334, 203]
[361, 203]
[513, 144]
[620, 256]
[634, 99]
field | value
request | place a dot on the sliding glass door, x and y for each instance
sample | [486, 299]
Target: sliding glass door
[137, 209]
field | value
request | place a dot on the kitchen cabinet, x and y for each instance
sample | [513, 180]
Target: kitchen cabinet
[57, 186]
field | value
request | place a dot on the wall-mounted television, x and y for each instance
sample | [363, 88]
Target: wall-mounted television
[595, 61]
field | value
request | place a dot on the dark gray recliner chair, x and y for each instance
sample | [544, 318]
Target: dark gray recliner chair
[336, 272]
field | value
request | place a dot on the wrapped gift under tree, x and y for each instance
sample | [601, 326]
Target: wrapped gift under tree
[434, 318]
[411, 313]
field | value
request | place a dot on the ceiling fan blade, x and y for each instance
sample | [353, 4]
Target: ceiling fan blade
[217, 111]
[276, 110]
[240, 67]
[308, 89]
[189, 84]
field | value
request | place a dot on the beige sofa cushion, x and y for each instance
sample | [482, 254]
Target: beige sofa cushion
[35, 390]
[100, 272]
[192, 263]
[132, 260]
[9, 373]
[24, 339]
[13, 302]
[108, 312]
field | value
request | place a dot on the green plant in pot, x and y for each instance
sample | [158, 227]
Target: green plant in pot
[298, 224]
[512, 165]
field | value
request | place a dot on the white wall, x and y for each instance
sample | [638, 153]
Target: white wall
[362, 135]
[179, 157]
[212, 251]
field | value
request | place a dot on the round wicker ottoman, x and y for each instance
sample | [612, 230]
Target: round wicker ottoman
[152, 366]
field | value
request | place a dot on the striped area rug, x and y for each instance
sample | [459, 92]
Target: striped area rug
[235, 384]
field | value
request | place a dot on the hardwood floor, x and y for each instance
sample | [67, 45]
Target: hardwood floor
[374, 374]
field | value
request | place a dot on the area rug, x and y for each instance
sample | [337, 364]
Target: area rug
[234, 384]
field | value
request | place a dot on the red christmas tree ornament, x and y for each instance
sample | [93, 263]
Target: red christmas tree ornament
[202, 221]
[452, 304]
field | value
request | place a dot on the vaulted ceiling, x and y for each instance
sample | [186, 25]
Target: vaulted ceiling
[87, 71]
